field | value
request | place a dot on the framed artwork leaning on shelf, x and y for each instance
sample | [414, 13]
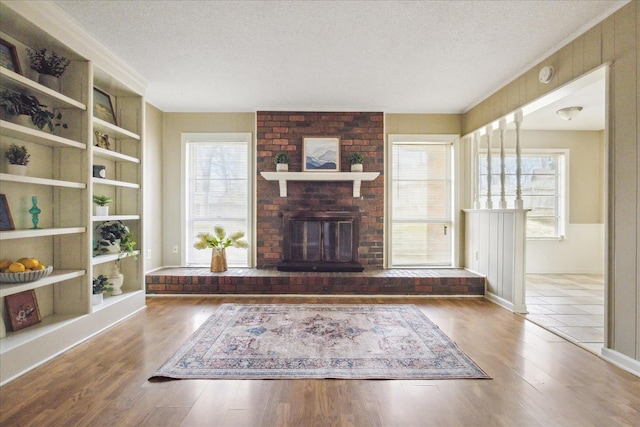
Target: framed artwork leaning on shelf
[102, 141]
[9, 57]
[6, 221]
[103, 107]
[22, 309]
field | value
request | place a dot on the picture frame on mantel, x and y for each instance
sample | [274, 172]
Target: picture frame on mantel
[321, 154]
[9, 57]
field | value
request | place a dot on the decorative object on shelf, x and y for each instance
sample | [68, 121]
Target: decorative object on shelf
[34, 211]
[116, 279]
[6, 221]
[99, 171]
[50, 67]
[17, 104]
[102, 107]
[101, 202]
[22, 310]
[18, 157]
[9, 57]
[321, 154]
[355, 160]
[115, 237]
[100, 285]
[282, 161]
[102, 141]
[219, 242]
[26, 276]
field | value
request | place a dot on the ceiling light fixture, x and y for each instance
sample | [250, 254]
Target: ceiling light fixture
[569, 112]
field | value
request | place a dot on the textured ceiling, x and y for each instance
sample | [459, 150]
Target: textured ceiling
[392, 56]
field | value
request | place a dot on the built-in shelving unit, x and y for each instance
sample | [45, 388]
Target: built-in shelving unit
[355, 177]
[60, 177]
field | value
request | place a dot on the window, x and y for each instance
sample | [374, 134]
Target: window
[542, 185]
[420, 207]
[217, 181]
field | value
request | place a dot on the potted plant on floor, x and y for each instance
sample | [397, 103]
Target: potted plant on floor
[28, 110]
[282, 161]
[51, 67]
[18, 157]
[101, 202]
[219, 242]
[100, 285]
[356, 159]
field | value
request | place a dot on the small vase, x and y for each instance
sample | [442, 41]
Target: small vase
[17, 170]
[356, 167]
[49, 81]
[22, 120]
[96, 299]
[282, 167]
[116, 279]
[102, 210]
[218, 260]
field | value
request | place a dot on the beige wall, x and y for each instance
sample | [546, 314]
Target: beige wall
[153, 188]
[423, 124]
[175, 124]
[614, 40]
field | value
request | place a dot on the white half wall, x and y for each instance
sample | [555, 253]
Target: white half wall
[581, 252]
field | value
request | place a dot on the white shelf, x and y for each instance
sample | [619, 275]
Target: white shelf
[113, 130]
[47, 326]
[102, 259]
[41, 181]
[12, 130]
[115, 218]
[49, 97]
[40, 232]
[356, 177]
[113, 155]
[110, 300]
[56, 276]
[115, 183]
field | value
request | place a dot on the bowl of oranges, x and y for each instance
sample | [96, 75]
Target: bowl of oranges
[23, 270]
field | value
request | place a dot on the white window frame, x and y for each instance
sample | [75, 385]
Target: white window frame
[244, 137]
[423, 139]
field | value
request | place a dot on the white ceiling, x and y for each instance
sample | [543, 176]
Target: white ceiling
[392, 56]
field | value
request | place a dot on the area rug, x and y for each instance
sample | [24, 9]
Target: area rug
[319, 341]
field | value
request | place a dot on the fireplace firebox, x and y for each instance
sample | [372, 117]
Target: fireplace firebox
[320, 241]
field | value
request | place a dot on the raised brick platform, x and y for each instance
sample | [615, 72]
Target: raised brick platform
[266, 281]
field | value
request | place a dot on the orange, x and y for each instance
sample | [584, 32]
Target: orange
[30, 262]
[16, 267]
[5, 263]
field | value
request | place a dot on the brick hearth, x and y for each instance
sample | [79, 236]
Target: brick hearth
[270, 281]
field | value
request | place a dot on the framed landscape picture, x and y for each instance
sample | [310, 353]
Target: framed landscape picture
[9, 57]
[321, 154]
[102, 107]
[22, 309]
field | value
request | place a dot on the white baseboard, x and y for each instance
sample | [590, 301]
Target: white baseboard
[621, 361]
[500, 301]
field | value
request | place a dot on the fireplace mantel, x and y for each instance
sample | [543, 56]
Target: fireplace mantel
[356, 177]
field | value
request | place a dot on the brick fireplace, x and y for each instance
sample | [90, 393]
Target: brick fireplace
[361, 132]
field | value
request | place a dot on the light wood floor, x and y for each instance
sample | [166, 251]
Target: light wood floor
[539, 379]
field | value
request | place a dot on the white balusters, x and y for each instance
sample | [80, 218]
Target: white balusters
[489, 130]
[503, 129]
[518, 202]
[476, 163]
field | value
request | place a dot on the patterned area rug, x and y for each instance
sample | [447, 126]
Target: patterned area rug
[319, 341]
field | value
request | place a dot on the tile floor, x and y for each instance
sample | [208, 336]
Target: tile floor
[570, 305]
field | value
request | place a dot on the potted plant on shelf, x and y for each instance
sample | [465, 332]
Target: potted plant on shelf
[51, 67]
[101, 202]
[114, 238]
[219, 242]
[100, 285]
[282, 161]
[18, 157]
[356, 159]
[28, 110]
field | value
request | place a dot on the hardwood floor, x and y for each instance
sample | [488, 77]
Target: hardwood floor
[539, 379]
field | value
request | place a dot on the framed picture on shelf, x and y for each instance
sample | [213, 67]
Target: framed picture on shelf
[6, 221]
[22, 310]
[9, 57]
[102, 141]
[103, 107]
[321, 154]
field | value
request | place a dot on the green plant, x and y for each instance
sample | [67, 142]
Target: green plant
[100, 284]
[16, 103]
[220, 240]
[110, 233]
[52, 65]
[356, 159]
[17, 155]
[282, 157]
[101, 200]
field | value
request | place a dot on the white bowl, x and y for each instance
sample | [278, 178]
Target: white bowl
[28, 276]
